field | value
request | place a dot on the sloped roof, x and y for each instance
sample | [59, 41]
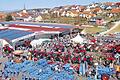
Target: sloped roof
[78, 39]
[109, 3]
[13, 34]
[114, 10]
[2, 15]
[96, 9]
[36, 28]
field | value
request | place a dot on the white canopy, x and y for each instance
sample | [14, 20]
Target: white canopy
[51, 32]
[23, 37]
[38, 42]
[4, 42]
[78, 39]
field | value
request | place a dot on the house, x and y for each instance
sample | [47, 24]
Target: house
[96, 21]
[72, 13]
[90, 15]
[74, 7]
[87, 9]
[39, 18]
[108, 7]
[94, 5]
[27, 16]
[2, 16]
[24, 11]
[102, 6]
[22, 15]
[27, 19]
[64, 13]
[117, 4]
[44, 11]
[96, 10]
[114, 12]
[87, 14]
[55, 13]
[67, 14]
[81, 8]
[66, 7]
[109, 3]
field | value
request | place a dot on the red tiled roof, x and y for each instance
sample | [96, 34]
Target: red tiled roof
[15, 15]
[24, 14]
[115, 10]
[2, 15]
[87, 13]
[109, 3]
[74, 12]
[21, 14]
[96, 9]
[82, 7]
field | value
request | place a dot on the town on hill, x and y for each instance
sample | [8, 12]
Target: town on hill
[95, 14]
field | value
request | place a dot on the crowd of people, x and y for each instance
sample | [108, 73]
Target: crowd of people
[95, 49]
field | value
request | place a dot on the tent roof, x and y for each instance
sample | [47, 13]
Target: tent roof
[38, 42]
[13, 34]
[78, 39]
[4, 42]
[40, 24]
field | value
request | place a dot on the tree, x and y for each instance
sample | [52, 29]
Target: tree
[9, 18]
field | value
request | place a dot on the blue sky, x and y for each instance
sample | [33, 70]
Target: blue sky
[19, 4]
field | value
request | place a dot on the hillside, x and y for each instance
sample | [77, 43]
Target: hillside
[115, 28]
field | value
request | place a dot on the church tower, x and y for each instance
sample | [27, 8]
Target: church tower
[24, 10]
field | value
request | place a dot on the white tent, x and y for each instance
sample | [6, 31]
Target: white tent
[50, 32]
[38, 42]
[24, 37]
[4, 42]
[78, 39]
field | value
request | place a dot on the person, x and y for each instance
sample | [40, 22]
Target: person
[118, 75]
[105, 77]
